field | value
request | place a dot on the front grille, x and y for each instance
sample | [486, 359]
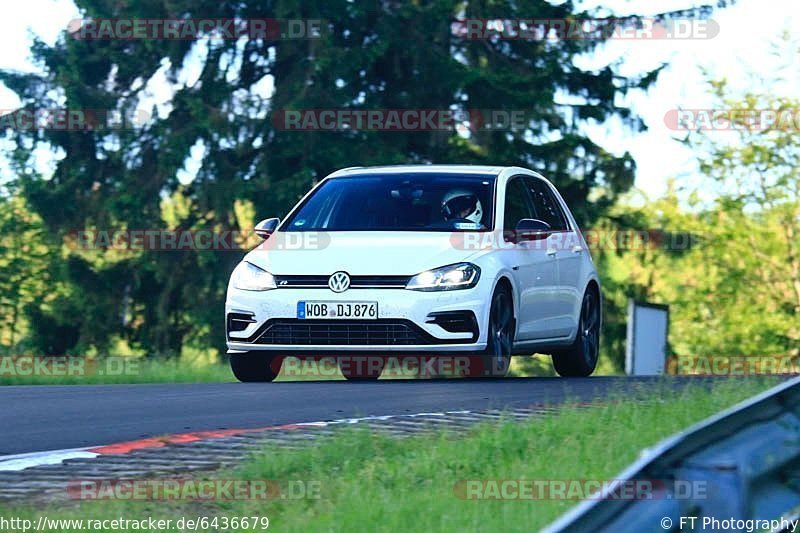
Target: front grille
[298, 332]
[356, 282]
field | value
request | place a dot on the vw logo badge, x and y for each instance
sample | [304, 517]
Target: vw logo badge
[339, 282]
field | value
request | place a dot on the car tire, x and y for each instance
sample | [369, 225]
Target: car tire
[369, 370]
[580, 359]
[254, 367]
[496, 359]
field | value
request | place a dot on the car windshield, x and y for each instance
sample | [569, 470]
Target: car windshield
[398, 202]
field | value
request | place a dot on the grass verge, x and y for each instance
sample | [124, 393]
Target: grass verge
[367, 482]
[111, 370]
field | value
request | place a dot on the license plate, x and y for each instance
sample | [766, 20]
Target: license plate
[341, 310]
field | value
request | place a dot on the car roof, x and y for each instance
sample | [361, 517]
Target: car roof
[405, 169]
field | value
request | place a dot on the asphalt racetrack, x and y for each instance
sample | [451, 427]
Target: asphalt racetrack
[39, 418]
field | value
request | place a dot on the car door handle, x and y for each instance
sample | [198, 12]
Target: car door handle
[551, 251]
[577, 249]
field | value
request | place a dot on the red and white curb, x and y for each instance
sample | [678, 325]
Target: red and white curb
[11, 463]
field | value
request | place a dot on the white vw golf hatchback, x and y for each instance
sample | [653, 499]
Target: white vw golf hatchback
[474, 261]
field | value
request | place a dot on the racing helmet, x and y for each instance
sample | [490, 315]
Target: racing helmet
[462, 204]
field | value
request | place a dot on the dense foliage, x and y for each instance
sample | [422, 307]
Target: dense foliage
[221, 96]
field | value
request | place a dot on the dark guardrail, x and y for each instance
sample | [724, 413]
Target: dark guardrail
[746, 458]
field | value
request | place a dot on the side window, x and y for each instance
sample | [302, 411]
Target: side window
[546, 205]
[517, 204]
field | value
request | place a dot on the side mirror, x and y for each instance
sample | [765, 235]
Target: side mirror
[532, 229]
[267, 227]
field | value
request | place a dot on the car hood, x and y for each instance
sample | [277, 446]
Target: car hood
[357, 253]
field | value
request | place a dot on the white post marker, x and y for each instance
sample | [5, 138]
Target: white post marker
[646, 343]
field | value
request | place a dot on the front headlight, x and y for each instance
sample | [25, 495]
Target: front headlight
[249, 277]
[446, 278]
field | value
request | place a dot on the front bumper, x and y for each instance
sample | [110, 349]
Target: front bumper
[420, 311]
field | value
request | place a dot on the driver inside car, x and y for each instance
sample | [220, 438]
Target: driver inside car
[462, 206]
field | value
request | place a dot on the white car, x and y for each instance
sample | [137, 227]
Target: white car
[477, 261]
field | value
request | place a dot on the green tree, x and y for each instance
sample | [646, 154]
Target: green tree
[736, 290]
[756, 221]
[28, 271]
[371, 55]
